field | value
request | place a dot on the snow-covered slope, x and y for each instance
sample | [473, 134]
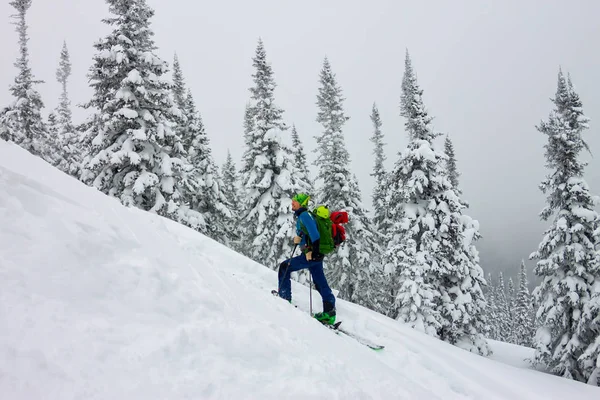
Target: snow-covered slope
[98, 301]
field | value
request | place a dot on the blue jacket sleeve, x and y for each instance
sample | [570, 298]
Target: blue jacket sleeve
[311, 226]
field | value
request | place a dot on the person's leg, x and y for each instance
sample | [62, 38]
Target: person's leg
[316, 270]
[285, 285]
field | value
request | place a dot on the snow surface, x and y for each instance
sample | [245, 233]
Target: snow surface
[98, 301]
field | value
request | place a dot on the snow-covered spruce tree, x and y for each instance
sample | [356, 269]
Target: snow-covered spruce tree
[380, 295]
[432, 241]
[504, 323]
[209, 197]
[68, 140]
[348, 267]
[451, 168]
[231, 190]
[52, 150]
[409, 254]
[230, 183]
[202, 189]
[300, 163]
[249, 151]
[568, 262]
[380, 190]
[462, 302]
[370, 288]
[524, 328]
[589, 361]
[21, 122]
[135, 154]
[179, 87]
[510, 302]
[491, 310]
[268, 173]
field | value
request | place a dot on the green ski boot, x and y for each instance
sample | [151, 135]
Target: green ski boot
[326, 318]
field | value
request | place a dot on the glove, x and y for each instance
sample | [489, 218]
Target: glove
[297, 239]
[314, 254]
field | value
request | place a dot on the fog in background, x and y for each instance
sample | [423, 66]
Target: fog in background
[488, 70]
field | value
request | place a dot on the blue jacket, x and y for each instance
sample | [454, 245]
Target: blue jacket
[306, 220]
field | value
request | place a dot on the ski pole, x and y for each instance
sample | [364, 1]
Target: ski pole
[310, 291]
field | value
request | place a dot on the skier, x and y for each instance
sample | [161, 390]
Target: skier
[308, 238]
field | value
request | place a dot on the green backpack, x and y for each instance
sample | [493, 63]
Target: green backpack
[321, 216]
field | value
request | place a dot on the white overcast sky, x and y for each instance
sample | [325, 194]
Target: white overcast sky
[488, 70]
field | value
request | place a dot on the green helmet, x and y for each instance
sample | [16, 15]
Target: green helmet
[302, 198]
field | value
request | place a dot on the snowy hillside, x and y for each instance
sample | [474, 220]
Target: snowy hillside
[98, 301]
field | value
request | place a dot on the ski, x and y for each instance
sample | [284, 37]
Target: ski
[362, 340]
[336, 328]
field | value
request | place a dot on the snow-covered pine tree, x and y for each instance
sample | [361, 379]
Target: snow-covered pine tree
[568, 262]
[202, 189]
[409, 255]
[380, 293]
[135, 154]
[52, 124]
[187, 125]
[590, 359]
[230, 183]
[333, 158]
[451, 168]
[491, 310]
[249, 151]
[300, 163]
[348, 267]
[414, 297]
[510, 302]
[504, 324]
[21, 122]
[179, 87]
[231, 190]
[209, 198]
[52, 151]
[380, 190]
[432, 245]
[268, 175]
[370, 289]
[462, 300]
[68, 140]
[524, 327]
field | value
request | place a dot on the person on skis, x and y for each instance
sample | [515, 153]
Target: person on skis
[308, 238]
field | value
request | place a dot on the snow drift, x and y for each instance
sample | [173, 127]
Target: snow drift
[98, 301]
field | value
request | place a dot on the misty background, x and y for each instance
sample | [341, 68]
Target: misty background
[488, 71]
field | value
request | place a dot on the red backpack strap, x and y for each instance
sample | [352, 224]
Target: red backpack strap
[342, 232]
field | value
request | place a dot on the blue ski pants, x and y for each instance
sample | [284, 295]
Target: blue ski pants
[318, 276]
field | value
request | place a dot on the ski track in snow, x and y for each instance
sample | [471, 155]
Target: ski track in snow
[98, 301]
